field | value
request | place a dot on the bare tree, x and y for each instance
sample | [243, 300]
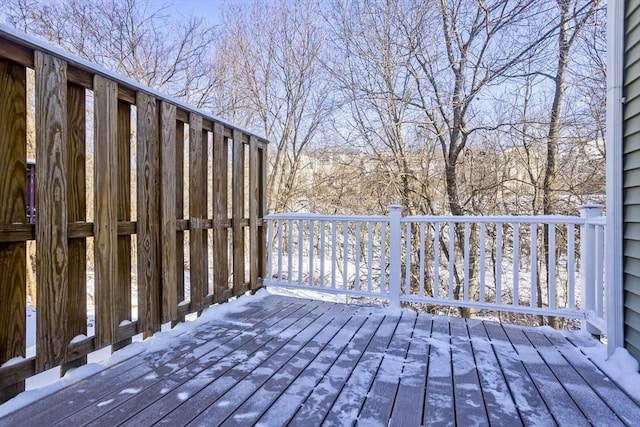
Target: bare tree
[273, 53]
[137, 38]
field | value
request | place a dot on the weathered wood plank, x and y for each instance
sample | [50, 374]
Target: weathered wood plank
[122, 286]
[254, 213]
[76, 212]
[226, 373]
[304, 345]
[439, 397]
[146, 381]
[197, 213]
[563, 408]
[148, 196]
[52, 267]
[617, 400]
[13, 188]
[237, 210]
[597, 411]
[213, 366]
[263, 211]
[220, 214]
[409, 403]
[532, 407]
[246, 411]
[179, 210]
[500, 404]
[168, 212]
[330, 366]
[379, 398]
[466, 383]
[106, 204]
[205, 233]
[357, 382]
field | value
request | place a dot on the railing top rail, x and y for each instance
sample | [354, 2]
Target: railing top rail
[320, 217]
[520, 219]
[487, 219]
[29, 42]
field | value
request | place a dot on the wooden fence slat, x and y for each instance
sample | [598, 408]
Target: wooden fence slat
[122, 286]
[205, 215]
[263, 211]
[237, 210]
[147, 159]
[254, 208]
[106, 203]
[51, 218]
[13, 188]
[168, 211]
[197, 213]
[179, 210]
[76, 212]
[220, 214]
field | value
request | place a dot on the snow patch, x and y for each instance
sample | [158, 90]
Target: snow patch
[131, 390]
[13, 361]
[105, 403]
[30, 396]
[621, 367]
[78, 338]
[183, 396]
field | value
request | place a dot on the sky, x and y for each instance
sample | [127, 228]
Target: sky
[209, 9]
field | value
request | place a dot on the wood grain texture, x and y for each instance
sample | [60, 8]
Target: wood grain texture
[106, 203]
[76, 212]
[238, 213]
[263, 211]
[13, 187]
[205, 233]
[254, 213]
[168, 211]
[122, 286]
[179, 210]
[52, 252]
[220, 214]
[149, 280]
[197, 213]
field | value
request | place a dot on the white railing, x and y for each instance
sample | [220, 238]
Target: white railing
[496, 263]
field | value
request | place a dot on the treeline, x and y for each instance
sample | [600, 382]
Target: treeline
[448, 106]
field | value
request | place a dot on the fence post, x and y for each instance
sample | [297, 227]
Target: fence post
[588, 262]
[395, 254]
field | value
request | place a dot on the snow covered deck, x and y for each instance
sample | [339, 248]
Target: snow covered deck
[278, 360]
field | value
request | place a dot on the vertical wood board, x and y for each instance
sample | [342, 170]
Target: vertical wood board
[254, 213]
[148, 232]
[168, 211]
[106, 203]
[238, 213]
[220, 213]
[122, 287]
[179, 210]
[51, 219]
[76, 212]
[197, 212]
[13, 188]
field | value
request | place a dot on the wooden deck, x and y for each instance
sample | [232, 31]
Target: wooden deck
[301, 362]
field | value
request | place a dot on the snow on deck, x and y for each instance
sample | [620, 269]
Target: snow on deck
[271, 360]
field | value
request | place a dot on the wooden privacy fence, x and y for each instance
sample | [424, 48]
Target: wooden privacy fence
[137, 139]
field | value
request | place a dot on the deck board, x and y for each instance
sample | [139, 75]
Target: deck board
[300, 362]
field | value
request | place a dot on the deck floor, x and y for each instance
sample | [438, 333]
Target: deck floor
[283, 360]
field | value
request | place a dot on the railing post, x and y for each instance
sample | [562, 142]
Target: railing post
[588, 262]
[395, 254]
